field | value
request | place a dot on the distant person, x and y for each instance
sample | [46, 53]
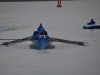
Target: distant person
[92, 22]
[40, 28]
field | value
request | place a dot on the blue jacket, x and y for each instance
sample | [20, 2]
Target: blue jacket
[40, 29]
[36, 36]
[47, 37]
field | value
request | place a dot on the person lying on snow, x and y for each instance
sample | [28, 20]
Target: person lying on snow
[40, 29]
[92, 22]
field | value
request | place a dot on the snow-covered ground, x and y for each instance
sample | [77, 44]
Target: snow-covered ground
[21, 19]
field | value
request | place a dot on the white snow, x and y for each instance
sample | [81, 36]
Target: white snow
[66, 22]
